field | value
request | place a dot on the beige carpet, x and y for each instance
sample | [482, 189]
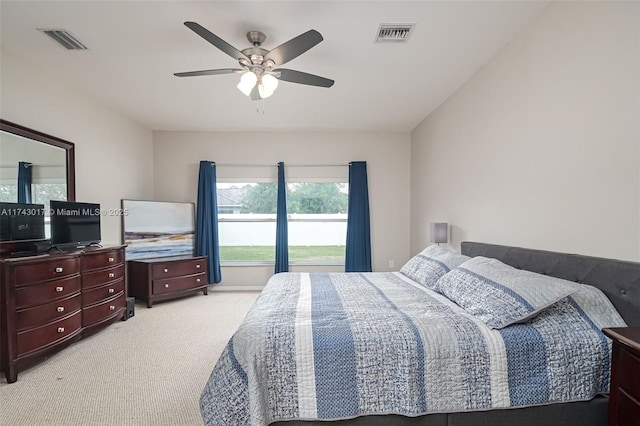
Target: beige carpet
[148, 370]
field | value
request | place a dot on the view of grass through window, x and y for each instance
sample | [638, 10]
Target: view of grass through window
[296, 253]
[317, 221]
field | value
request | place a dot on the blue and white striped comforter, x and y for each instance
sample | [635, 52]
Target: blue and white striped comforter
[338, 345]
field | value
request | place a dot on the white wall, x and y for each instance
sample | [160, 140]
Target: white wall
[541, 147]
[177, 156]
[113, 154]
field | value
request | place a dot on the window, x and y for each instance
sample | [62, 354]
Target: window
[247, 221]
[9, 193]
[317, 219]
[41, 193]
[317, 222]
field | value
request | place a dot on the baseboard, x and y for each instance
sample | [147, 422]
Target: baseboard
[218, 287]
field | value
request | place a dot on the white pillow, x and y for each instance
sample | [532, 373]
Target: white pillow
[430, 264]
[499, 294]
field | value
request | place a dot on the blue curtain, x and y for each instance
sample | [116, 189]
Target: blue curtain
[207, 221]
[24, 182]
[282, 237]
[358, 250]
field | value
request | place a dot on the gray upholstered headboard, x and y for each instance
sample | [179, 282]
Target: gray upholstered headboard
[618, 279]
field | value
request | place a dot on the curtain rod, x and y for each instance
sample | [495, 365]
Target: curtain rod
[275, 165]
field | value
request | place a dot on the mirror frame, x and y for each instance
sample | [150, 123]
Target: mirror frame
[7, 247]
[37, 136]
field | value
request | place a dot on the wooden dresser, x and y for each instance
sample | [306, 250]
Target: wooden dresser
[624, 396]
[49, 301]
[162, 278]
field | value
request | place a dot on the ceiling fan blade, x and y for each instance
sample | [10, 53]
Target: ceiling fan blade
[300, 77]
[208, 72]
[215, 40]
[294, 47]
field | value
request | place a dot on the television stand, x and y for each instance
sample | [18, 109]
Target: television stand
[66, 248]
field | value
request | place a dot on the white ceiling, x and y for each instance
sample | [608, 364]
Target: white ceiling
[136, 46]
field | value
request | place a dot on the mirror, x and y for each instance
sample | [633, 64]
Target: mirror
[51, 160]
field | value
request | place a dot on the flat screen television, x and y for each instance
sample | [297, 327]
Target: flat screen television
[21, 221]
[74, 224]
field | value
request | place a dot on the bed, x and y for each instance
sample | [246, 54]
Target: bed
[452, 339]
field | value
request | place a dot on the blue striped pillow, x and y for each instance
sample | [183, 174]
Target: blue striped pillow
[430, 264]
[500, 295]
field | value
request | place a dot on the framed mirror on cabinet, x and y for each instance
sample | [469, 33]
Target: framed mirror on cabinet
[49, 163]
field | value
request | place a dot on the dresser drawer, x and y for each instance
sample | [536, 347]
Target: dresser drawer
[47, 270]
[36, 338]
[102, 260]
[177, 269]
[42, 314]
[47, 291]
[103, 292]
[629, 367]
[102, 276]
[102, 311]
[628, 410]
[171, 285]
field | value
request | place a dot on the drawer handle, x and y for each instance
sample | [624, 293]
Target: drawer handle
[112, 308]
[111, 290]
[111, 259]
[166, 270]
[60, 329]
[197, 266]
[58, 270]
[59, 289]
[111, 275]
[60, 309]
[197, 280]
[166, 285]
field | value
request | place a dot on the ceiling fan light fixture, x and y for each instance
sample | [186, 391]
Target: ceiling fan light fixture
[267, 85]
[247, 82]
[263, 91]
[270, 82]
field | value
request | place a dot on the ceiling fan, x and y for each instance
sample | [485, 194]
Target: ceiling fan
[259, 75]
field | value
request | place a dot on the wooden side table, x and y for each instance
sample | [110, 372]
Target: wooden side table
[624, 397]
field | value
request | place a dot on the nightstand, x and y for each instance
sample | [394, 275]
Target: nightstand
[624, 397]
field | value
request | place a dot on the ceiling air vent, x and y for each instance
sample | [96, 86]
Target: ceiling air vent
[64, 38]
[393, 32]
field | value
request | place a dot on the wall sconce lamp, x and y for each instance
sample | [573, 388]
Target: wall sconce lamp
[439, 232]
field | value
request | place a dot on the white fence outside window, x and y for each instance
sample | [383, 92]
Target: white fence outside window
[303, 230]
